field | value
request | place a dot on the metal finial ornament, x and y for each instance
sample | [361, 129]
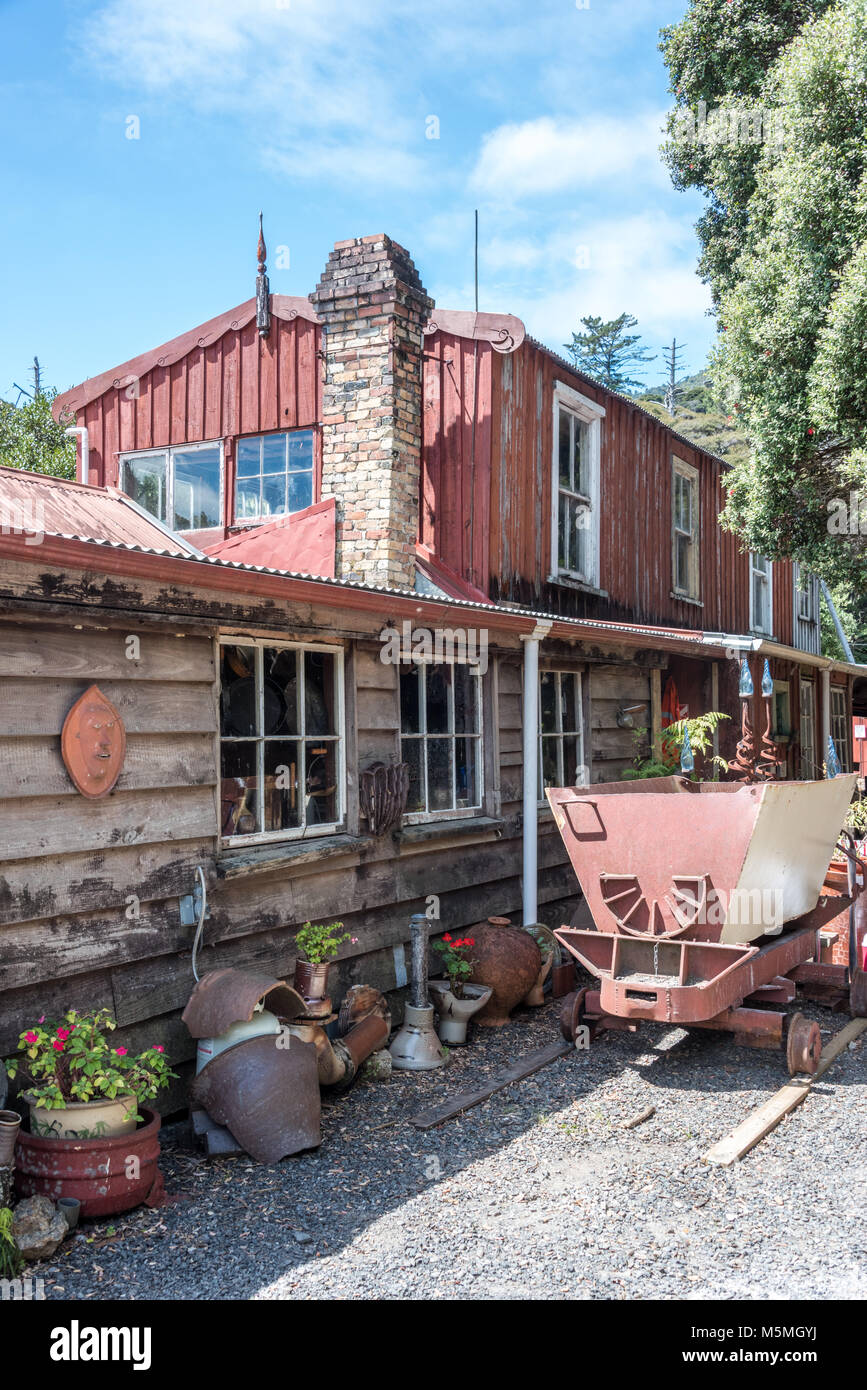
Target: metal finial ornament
[767, 681]
[745, 688]
[833, 762]
[687, 761]
[263, 289]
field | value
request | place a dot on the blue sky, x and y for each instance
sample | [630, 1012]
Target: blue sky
[319, 112]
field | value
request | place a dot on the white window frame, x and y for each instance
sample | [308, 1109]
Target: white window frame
[259, 517]
[768, 577]
[304, 831]
[680, 468]
[811, 593]
[458, 812]
[590, 415]
[168, 452]
[782, 688]
[810, 767]
[840, 726]
[560, 733]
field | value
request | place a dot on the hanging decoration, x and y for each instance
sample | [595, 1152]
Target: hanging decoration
[93, 743]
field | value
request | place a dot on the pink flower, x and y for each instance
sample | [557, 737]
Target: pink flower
[32, 1037]
[120, 1051]
[58, 1046]
[63, 1034]
[158, 1047]
[41, 1020]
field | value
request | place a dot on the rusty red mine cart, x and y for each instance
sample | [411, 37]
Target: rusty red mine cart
[706, 900]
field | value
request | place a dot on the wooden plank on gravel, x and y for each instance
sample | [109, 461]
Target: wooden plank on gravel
[768, 1116]
[525, 1066]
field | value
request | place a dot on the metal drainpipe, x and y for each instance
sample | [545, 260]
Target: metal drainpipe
[530, 896]
[835, 616]
[82, 471]
[826, 715]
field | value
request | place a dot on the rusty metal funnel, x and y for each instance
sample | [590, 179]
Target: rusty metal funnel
[266, 1092]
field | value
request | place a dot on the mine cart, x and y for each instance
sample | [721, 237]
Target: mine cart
[706, 900]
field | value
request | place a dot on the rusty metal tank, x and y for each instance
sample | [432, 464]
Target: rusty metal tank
[96, 1171]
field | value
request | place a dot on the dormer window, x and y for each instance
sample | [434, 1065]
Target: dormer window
[180, 486]
[273, 474]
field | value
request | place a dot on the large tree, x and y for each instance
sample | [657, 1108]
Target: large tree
[608, 351]
[32, 439]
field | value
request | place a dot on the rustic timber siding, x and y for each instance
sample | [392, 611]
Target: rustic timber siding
[70, 866]
[241, 384]
[485, 502]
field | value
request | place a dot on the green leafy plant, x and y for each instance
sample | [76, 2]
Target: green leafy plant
[856, 819]
[319, 943]
[73, 1060]
[701, 731]
[10, 1255]
[457, 965]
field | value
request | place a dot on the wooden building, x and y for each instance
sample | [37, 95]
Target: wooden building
[314, 536]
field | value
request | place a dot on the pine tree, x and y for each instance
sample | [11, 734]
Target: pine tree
[607, 351]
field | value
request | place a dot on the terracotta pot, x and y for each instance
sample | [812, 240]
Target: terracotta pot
[96, 1171]
[85, 1119]
[10, 1123]
[508, 960]
[311, 982]
[453, 1013]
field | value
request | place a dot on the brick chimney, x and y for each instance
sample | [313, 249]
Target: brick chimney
[373, 308]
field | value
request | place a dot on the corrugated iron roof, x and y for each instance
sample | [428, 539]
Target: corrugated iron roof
[37, 503]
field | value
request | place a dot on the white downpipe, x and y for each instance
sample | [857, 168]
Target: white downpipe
[530, 896]
[82, 471]
[826, 716]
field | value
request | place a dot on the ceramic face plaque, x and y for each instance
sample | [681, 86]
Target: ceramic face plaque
[93, 743]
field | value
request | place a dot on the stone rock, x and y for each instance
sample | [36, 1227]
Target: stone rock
[377, 1067]
[38, 1228]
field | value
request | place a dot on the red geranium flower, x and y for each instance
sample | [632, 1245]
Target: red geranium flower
[446, 937]
[58, 1046]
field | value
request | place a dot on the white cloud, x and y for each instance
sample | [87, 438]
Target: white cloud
[550, 155]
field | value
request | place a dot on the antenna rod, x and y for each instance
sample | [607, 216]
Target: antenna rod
[477, 261]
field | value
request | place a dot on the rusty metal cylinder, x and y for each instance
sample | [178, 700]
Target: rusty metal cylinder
[418, 931]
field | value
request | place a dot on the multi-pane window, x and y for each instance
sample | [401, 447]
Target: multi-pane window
[561, 730]
[179, 486]
[281, 739]
[840, 726]
[273, 474]
[685, 530]
[807, 698]
[806, 596]
[760, 593]
[441, 736]
[575, 502]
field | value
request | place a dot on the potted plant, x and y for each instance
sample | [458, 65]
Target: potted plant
[455, 999]
[544, 940]
[79, 1086]
[318, 945]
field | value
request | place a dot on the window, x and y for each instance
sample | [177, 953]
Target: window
[561, 730]
[761, 594]
[281, 740]
[179, 486]
[840, 726]
[441, 737]
[684, 529]
[782, 717]
[274, 474]
[809, 763]
[806, 595]
[575, 521]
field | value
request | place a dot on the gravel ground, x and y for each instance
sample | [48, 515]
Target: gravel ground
[537, 1193]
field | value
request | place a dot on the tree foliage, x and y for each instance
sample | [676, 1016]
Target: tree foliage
[32, 439]
[607, 351]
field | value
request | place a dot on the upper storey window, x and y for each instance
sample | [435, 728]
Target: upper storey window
[180, 486]
[684, 530]
[575, 494]
[761, 594]
[274, 474]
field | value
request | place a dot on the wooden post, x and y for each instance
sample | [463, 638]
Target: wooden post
[656, 711]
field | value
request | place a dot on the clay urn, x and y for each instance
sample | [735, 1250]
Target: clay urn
[508, 960]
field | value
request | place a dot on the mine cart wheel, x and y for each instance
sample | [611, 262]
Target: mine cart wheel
[803, 1045]
[574, 1015]
[858, 994]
